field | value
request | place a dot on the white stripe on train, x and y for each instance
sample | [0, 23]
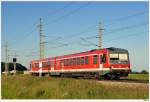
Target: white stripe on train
[80, 70]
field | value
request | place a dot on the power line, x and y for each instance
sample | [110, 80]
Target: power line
[89, 42]
[121, 29]
[128, 27]
[28, 33]
[125, 36]
[59, 10]
[68, 14]
[54, 40]
[116, 39]
[118, 19]
[124, 18]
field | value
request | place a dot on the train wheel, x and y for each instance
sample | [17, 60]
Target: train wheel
[107, 76]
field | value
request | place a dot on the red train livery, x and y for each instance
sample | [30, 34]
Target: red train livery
[111, 63]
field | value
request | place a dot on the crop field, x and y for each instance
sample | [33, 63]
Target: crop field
[31, 87]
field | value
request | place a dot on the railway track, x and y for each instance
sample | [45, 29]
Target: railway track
[113, 80]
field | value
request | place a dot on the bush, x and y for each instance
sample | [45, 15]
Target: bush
[144, 72]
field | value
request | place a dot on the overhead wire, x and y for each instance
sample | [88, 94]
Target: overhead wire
[58, 10]
[68, 14]
[116, 20]
[113, 22]
[116, 38]
[121, 29]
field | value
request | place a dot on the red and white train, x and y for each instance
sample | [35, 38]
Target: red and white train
[111, 63]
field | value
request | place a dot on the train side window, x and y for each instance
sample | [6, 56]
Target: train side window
[48, 63]
[52, 63]
[95, 59]
[67, 62]
[82, 60]
[61, 63]
[36, 65]
[86, 59]
[44, 64]
[75, 61]
[70, 62]
[78, 61]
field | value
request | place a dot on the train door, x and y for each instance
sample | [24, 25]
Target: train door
[52, 65]
[61, 64]
[40, 67]
[102, 60]
[101, 64]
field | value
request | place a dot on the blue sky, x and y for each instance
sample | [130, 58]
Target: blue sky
[125, 26]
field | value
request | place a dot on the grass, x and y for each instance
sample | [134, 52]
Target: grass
[31, 87]
[139, 76]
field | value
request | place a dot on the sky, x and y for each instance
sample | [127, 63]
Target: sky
[65, 23]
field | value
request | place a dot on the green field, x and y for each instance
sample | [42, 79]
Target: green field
[139, 76]
[31, 87]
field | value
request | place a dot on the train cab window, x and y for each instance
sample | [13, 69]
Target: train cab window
[82, 60]
[86, 59]
[95, 59]
[78, 61]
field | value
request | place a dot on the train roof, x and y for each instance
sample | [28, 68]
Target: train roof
[117, 49]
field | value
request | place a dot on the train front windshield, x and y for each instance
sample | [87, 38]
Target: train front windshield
[119, 57]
